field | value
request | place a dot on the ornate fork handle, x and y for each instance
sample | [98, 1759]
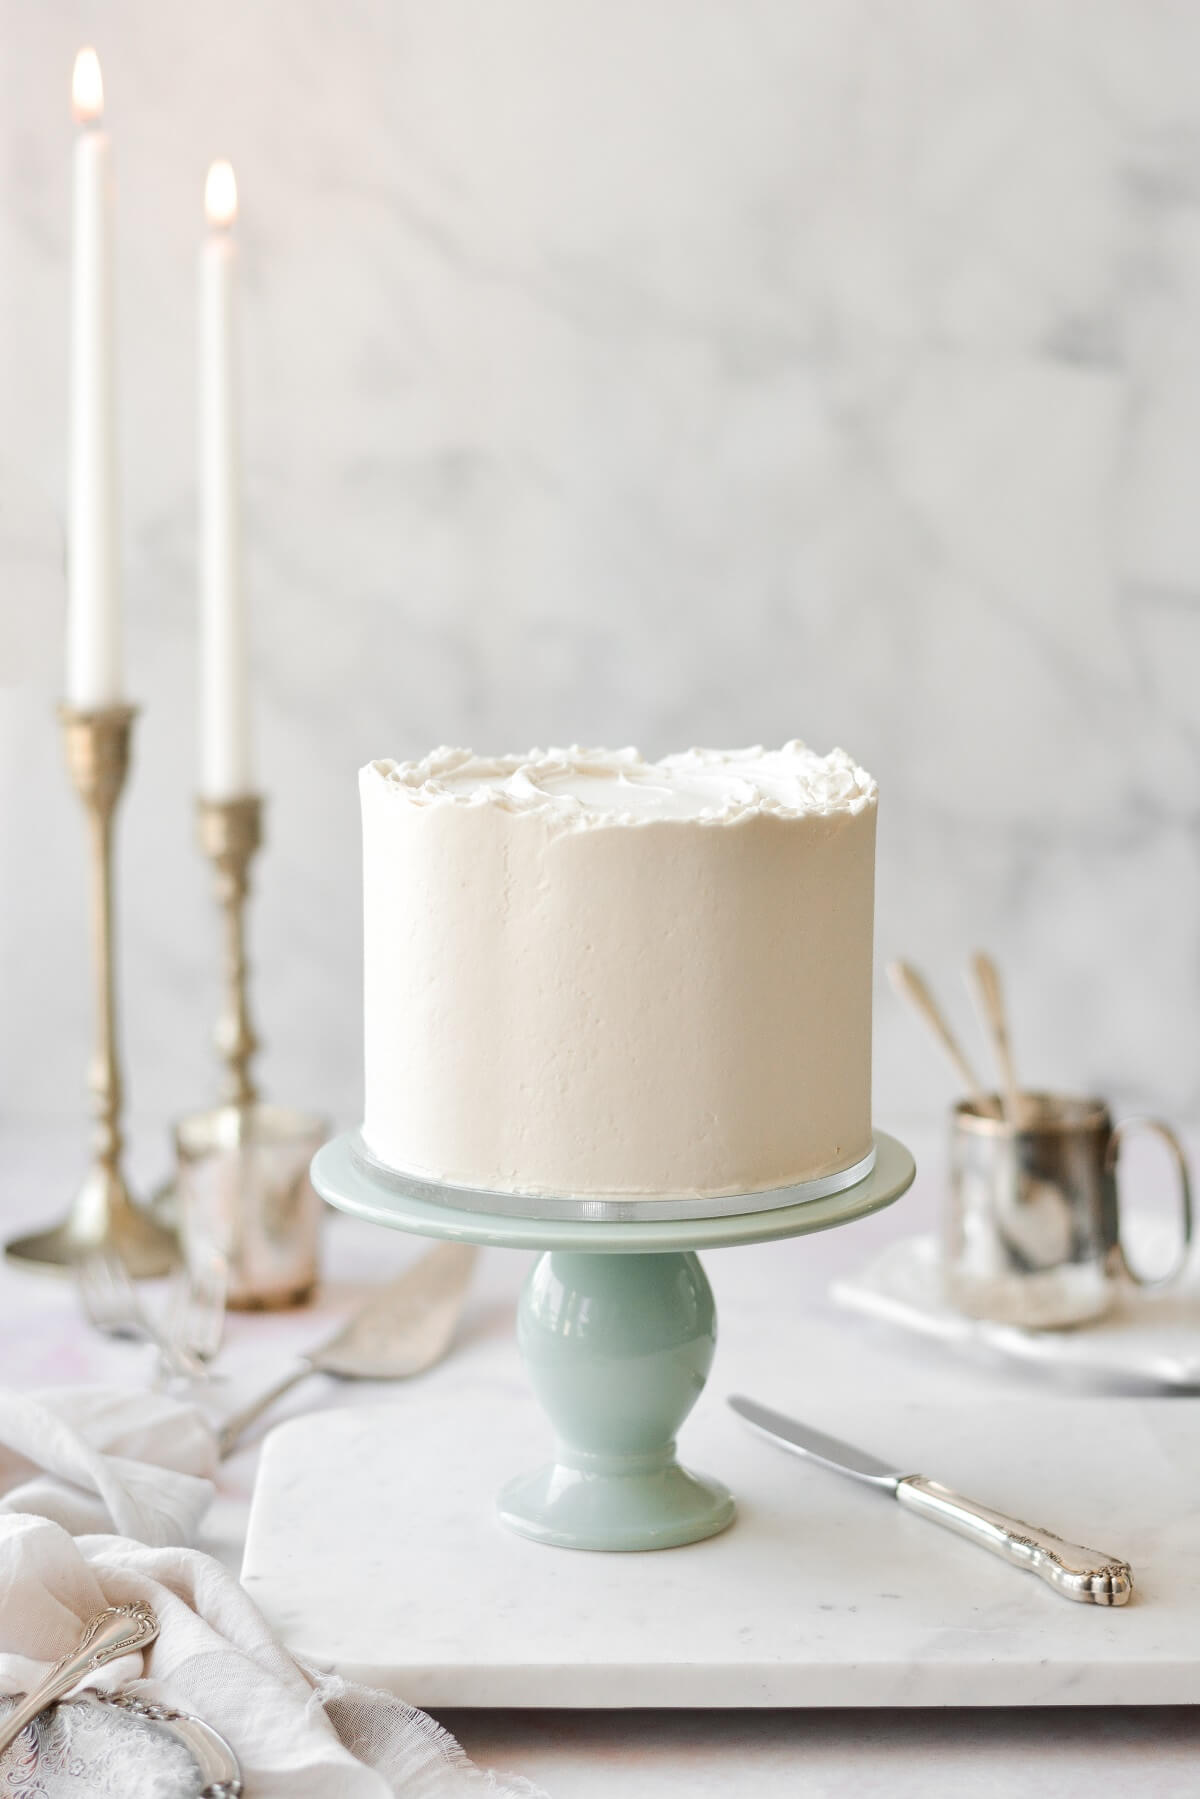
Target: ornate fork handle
[118, 1630]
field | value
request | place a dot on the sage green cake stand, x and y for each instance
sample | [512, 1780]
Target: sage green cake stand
[617, 1327]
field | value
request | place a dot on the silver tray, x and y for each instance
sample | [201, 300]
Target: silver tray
[114, 1746]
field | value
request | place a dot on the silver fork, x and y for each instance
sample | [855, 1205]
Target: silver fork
[111, 1304]
[195, 1315]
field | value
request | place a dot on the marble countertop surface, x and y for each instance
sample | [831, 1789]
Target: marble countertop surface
[1083, 1753]
[374, 1548]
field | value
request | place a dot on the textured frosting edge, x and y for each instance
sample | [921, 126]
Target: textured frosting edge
[816, 786]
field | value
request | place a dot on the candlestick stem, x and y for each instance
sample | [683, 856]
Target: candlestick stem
[105, 1082]
[230, 834]
[103, 1215]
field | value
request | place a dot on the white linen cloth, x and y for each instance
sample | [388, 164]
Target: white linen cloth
[99, 1492]
[106, 1459]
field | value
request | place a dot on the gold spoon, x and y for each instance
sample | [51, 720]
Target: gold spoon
[989, 991]
[910, 986]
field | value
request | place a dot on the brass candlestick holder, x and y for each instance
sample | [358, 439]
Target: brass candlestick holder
[230, 833]
[103, 1215]
[248, 1213]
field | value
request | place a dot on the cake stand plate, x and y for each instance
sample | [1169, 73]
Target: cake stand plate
[617, 1328]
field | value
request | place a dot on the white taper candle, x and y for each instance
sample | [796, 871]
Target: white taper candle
[93, 573]
[225, 758]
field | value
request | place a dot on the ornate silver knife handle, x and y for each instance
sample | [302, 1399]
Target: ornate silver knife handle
[119, 1630]
[1071, 1569]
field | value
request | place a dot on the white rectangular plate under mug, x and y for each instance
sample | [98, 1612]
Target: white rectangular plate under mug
[1150, 1339]
[374, 1549]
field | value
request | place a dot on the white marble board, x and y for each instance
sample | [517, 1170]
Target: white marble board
[373, 1547]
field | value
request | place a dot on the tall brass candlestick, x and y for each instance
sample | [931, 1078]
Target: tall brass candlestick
[103, 1215]
[230, 833]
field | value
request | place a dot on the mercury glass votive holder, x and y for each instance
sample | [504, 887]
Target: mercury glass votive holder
[248, 1215]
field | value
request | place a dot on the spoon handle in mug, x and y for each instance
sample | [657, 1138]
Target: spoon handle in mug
[911, 986]
[990, 990]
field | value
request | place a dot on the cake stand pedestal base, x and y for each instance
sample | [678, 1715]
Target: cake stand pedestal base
[617, 1328]
[618, 1348]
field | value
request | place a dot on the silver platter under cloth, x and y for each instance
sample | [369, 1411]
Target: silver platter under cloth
[599, 1209]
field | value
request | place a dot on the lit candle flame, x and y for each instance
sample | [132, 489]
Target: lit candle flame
[87, 87]
[220, 195]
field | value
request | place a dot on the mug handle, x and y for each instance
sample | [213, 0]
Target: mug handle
[1167, 1136]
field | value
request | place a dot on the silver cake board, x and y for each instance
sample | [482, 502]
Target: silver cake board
[613, 1208]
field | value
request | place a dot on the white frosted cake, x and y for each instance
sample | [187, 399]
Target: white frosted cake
[588, 974]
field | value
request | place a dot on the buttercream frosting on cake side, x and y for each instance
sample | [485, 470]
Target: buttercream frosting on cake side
[591, 974]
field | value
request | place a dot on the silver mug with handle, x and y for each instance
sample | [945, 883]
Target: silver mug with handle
[1032, 1232]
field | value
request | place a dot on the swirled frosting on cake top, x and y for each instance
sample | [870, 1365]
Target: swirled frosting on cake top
[584, 787]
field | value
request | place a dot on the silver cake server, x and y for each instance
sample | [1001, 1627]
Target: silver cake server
[1071, 1569]
[400, 1330]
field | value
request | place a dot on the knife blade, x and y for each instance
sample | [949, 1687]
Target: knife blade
[1070, 1569]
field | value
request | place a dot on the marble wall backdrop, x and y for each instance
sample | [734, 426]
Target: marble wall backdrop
[665, 371]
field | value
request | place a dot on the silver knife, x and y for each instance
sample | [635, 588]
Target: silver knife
[1070, 1568]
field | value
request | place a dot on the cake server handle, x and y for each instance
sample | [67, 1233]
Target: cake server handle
[234, 1428]
[1073, 1570]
